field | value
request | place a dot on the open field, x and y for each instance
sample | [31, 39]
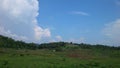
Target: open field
[45, 58]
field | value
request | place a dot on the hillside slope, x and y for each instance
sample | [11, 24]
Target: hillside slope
[18, 54]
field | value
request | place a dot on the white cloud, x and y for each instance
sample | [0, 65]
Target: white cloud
[80, 13]
[39, 32]
[18, 20]
[112, 31]
[8, 33]
[58, 38]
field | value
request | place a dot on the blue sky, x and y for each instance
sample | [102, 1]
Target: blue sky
[79, 21]
[75, 19]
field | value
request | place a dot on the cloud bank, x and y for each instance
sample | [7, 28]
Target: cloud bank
[112, 31]
[18, 20]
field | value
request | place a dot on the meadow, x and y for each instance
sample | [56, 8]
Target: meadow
[18, 54]
[67, 58]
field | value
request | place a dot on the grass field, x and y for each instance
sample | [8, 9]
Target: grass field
[44, 58]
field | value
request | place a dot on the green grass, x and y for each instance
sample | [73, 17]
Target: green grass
[44, 58]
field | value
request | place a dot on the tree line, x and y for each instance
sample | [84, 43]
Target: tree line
[6, 42]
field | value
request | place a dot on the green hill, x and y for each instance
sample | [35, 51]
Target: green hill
[18, 54]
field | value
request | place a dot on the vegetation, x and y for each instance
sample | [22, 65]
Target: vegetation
[18, 54]
[6, 42]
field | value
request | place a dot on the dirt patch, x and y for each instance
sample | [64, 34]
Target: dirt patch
[78, 55]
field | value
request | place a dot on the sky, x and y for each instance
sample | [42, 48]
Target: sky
[79, 21]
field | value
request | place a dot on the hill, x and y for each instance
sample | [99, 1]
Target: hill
[7, 42]
[18, 54]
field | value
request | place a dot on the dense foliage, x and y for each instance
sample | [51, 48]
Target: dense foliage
[6, 42]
